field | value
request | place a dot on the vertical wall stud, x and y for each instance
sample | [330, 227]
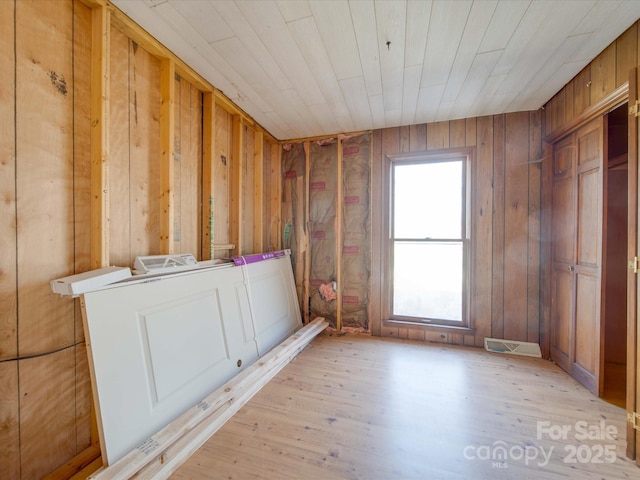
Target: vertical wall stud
[99, 137]
[258, 193]
[235, 215]
[339, 207]
[167, 124]
[208, 152]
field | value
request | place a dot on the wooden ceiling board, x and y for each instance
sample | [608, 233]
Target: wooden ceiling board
[526, 32]
[307, 37]
[202, 15]
[363, 15]
[418, 17]
[391, 22]
[479, 18]
[269, 25]
[246, 33]
[333, 18]
[328, 50]
[445, 32]
[355, 95]
[506, 18]
[293, 9]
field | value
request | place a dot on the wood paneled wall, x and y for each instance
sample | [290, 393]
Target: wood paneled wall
[600, 78]
[157, 159]
[505, 223]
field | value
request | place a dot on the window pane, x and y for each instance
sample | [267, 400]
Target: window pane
[428, 280]
[428, 200]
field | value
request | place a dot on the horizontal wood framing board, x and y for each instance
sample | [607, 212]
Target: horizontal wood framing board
[165, 451]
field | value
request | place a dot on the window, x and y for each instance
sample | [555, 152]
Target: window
[429, 244]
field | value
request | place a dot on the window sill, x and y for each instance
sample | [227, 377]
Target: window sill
[390, 323]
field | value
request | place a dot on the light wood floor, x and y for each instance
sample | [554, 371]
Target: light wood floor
[356, 407]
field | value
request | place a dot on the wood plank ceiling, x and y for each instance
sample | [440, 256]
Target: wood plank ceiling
[306, 68]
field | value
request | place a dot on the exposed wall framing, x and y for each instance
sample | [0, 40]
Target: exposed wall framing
[332, 241]
[114, 152]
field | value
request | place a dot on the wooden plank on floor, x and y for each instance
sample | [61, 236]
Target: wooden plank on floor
[166, 450]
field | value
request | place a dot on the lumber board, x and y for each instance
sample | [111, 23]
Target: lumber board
[339, 238]
[248, 183]
[377, 222]
[145, 152]
[172, 445]
[275, 224]
[44, 174]
[9, 420]
[259, 211]
[221, 176]
[167, 152]
[8, 252]
[188, 168]
[47, 412]
[208, 184]
[236, 183]
[82, 30]
[119, 197]
[100, 123]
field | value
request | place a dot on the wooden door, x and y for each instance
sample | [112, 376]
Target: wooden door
[587, 268]
[563, 253]
[633, 299]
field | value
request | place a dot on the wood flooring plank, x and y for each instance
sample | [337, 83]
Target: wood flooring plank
[312, 421]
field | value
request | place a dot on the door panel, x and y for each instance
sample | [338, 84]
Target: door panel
[562, 314]
[563, 222]
[589, 219]
[587, 306]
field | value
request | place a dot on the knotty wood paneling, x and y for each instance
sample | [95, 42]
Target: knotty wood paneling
[505, 223]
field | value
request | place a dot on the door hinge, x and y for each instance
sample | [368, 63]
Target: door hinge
[633, 265]
[635, 109]
[634, 419]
